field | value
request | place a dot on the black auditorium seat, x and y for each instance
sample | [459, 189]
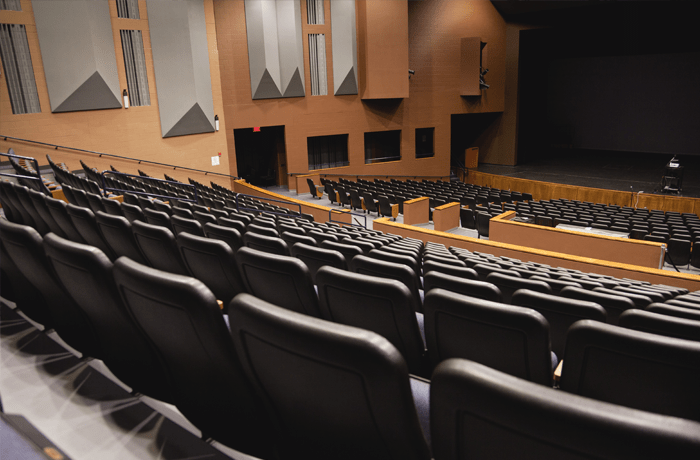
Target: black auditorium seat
[212, 262]
[560, 313]
[472, 288]
[184, 323]
[159, 248]
[39, 201]
[84, 221]
[133, 212]
[182, 224]
[315, 258]
[119, 236]
[430, 265]
[348, 250]
[381, 305]
[656, 323]
[614, 304]
[59, 211]
[229, 235]
[282, 280]
[25, 200]
[266, 243]
[634, 369]
[86, 274]
[333, 391]
[508, 284]
[25, 247]
[511, 339]
[478, 413]
[384, 269]
[673, 310]
[155, 217]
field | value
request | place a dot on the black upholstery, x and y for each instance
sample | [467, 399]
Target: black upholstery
[509, 284]
[614, 304]
[22, 193]
[482, 223]
[59, 211]
[39, 202]
[84, 221]
[158, 246]
[381, 305]
[334, 391]
[282, 280]
[413, 262]
[266, 243]
[182, 224]
[315, 258]
[348, 250]
[117, 233]
[24, 246]
[511, 339]
[472, 288]
[460, 272]
[656, 323]
[673, 310]
[400, 272]
[228, 235]
[261, 230]
[86, 274]
[154, 217]
[560, 313]
[466, 218]
[640, 300]
[478, 413]
[206, 379]
[133, 212]
[292, 238]
[634, 369]
[212, 262]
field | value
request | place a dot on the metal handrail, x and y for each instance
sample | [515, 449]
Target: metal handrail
[20, 176]
[352, 221]
[240, 208]
[116, 173]
[101, 154]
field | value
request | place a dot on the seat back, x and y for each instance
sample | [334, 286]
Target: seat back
[160, 218]
[643, 365]
[86, 274]
[84, 220]
[509, 284]
[334, 391]
[614, 304]
[459, 285]
[38, 223]
[264, 243]
[182, 224]
[560, 313]
[158, 246]
[133, 212]
[478, 413]
[674, 310]
[39, 202]
[24, 246]
[281, 280]
[315, 258]
[228, 235]
[186, 327]
[656, 323]
[511, 339]
[450, 269]
[384, 269]
[211, 261]
[119, 236]
[59, 211]
[381, 305]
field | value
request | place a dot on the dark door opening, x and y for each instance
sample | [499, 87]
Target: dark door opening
[261, 155]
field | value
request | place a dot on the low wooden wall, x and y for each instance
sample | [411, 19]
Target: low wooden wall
[446, 217]
[624, 250]
[300, 185]
[555, 259]
[416, 211]
[549, 190]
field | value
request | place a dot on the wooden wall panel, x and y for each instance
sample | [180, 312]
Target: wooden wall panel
[133, 132]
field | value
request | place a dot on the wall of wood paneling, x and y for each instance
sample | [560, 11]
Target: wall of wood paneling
[133, 132]
[550, 190]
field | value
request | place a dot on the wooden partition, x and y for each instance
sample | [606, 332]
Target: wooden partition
[300, 184]
[416, 211]
[555, 259]
[446, 217]
[549, 190]
[624, 250]
[319, 212]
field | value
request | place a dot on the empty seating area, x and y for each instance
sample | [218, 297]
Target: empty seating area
[278, 336]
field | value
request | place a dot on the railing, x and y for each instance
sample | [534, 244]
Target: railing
[20, 176]
[352, 220]
[105, 189]
[241, 208]
[101, 154]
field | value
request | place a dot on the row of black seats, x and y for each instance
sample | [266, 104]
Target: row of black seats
[292, 386]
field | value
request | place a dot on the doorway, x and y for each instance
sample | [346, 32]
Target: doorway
[261, 155]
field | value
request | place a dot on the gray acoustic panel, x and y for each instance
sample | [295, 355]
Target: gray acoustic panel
[77, 51]
[275, 48]
[181, 62]
[344, 42]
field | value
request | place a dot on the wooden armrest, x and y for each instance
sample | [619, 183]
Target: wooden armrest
[557, 372]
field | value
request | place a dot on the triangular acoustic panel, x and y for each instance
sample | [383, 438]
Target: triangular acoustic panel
[93, 94]
[349, 85]
[193, 122]
[295, 87]
[267, 88]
